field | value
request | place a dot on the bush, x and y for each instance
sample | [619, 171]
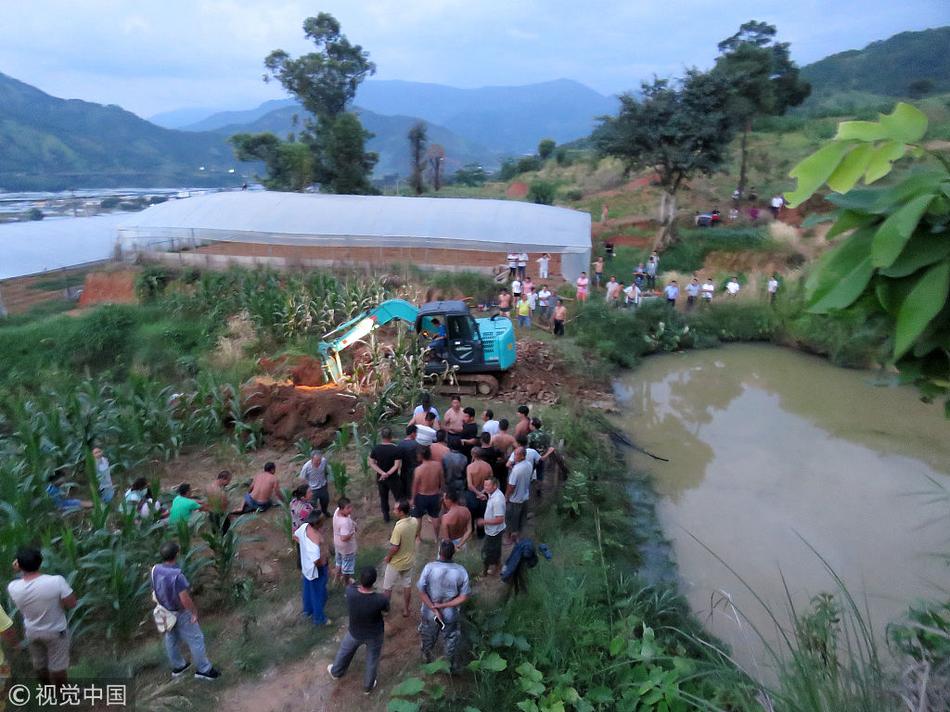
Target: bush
[689, 252]
[574, 194]
[109, 203]
[527, 164]
[150, 283]
[481, 287]
[34, 214]
[542, 192]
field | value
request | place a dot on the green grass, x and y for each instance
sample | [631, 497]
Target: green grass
[693, 245]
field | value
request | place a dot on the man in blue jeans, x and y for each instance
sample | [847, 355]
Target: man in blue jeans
[366, 609]
[172, 591]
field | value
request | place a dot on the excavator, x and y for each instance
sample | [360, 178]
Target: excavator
[472, 349]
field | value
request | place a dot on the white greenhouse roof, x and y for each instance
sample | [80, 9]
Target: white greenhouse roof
[358, 221]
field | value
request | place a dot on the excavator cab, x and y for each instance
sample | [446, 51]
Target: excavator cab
[452, 335]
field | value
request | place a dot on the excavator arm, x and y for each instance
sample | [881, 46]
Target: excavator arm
[359, 327]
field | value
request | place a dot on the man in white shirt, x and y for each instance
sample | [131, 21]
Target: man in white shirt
[516, 289]
[672, 292]
[778, 202]
[692, 292]
[489, 424]
[773, 288]
[543, 262]
[544, 302]
[314, 471]
[708, 289]
[613, 289]
[494, 523]
[43, 601]
[512, 265]
[732, 287]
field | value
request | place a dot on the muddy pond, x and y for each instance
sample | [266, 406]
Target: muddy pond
[770, 449]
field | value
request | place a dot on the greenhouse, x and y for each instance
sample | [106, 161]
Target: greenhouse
[317, 229]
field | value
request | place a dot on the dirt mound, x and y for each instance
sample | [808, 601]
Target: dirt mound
[108, 288]
[764, 262]
[301, 370]
[288, 413]
[517, 190]
[539, 376]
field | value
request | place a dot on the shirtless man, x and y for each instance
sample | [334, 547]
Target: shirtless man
[456, 522]
[523, 426]
[505, 444]
[476, 474]
[504, 302]
[264, 488]
[427, 482]
[439, 448]
[454, 417]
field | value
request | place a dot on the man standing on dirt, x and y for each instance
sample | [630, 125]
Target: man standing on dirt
[344, 540]
[504, 303]
[454, 418]
[427, 483]
[385, 462]
[494, 523]
[504, 443]
[582, 284]
[672, 292]
[401, 555]
[173, 592]
[409, 457]
[732, 287]
[314, 471]
[522, 265]
[543, 262]
[366, 608]
[708, 289]
[43, 601]
[544, 303]
[443, 587]
[454, 463]
[517, 494]
[475, 476]
[598, 271]
[456, 525]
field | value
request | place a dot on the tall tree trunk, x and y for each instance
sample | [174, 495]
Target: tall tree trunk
[744, 160]
[666, 233]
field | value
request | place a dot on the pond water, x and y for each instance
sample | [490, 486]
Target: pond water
[769, 447]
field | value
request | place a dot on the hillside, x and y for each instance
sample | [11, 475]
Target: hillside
[888, 67]
[504, 120]
[390, 139]
[48, 143]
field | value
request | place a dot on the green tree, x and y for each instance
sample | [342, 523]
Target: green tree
[895, 260]
[346, 165]
[546, 148]
[325, 82]
[289, 164]
[678, 129]
[418, 138]
[471, 174]
[762, 78]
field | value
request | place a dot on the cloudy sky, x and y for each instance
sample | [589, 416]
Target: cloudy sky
[155, 55]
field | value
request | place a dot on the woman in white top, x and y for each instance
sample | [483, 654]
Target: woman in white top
[313, 565]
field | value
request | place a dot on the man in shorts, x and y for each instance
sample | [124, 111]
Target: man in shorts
[456, 523]
[43, 601]
[494, 524]
[344, 541]
[427, 483]
[401, 555]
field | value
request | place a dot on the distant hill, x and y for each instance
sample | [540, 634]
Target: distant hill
[48, 143]
[177, 118]
[390, 140]
[888, 67]
[504, 120]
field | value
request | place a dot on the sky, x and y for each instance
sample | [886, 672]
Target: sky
[150, 56]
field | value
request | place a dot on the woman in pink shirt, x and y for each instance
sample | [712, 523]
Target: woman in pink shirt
[582, 283]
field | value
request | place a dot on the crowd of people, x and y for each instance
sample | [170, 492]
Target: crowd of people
[470, 483]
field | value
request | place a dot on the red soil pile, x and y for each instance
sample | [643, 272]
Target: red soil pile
[288, 413]
[301, 370]
[108, 288]
[517, 190]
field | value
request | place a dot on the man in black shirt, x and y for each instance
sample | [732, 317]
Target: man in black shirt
[469, 436]
[384, 459]
[409, 458]
[366, 608]
[490, 454]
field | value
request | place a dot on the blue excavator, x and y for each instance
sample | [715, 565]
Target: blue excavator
[475, 349]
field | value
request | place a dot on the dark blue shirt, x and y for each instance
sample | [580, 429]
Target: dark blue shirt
[168, 582]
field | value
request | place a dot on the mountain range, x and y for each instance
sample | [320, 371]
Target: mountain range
[47, 143]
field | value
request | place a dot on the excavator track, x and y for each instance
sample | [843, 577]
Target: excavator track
[472, 384]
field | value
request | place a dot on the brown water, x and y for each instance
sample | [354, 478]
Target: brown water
[769, 446]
